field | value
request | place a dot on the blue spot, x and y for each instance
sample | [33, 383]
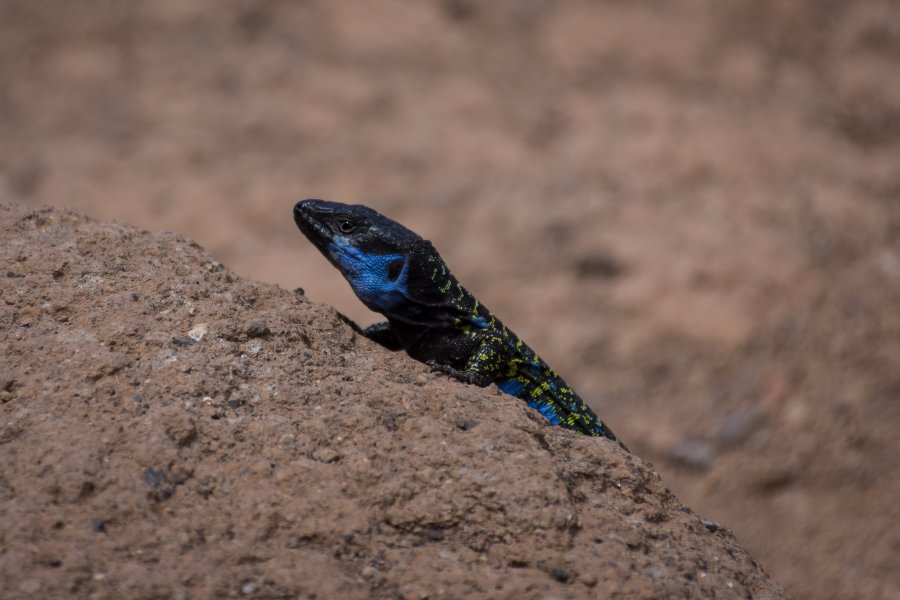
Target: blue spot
[480, 322]
[516, 388]
[513, 387]
[367, 274]
[546, 409]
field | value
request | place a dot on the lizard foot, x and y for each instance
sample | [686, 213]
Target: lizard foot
[465, 377]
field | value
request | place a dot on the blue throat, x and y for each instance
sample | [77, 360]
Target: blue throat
[367, 274]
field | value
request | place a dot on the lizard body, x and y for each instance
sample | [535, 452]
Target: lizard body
[431, 316]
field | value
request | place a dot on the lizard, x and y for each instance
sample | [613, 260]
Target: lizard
[431, 316]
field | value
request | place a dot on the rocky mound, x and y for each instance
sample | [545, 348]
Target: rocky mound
[170, 430]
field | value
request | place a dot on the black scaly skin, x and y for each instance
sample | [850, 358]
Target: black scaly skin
[430, 314]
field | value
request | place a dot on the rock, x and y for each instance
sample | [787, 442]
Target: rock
[341, 481]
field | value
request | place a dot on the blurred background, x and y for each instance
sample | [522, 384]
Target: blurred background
[690, 208]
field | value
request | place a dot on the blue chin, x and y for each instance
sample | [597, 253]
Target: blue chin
[367, 275]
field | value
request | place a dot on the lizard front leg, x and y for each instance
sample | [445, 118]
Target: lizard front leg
[483, 366]
[384, 335]
[380, 333]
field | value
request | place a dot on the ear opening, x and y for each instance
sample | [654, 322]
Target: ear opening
[394, 268]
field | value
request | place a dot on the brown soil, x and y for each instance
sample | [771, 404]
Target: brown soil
[690, 208]
[170, 430]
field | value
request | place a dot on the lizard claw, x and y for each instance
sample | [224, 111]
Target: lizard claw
[435, 366]
[463, 376]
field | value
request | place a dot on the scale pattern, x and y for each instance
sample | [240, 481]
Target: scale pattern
[503, 358]
[432, 316]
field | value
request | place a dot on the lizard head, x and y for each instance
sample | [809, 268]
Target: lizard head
[371, 251]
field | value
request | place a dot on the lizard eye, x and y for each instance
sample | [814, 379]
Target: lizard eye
[346, 226]
[394, 268]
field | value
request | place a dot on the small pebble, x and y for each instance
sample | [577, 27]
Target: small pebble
[369, 571]
[326, 455]
[198, 331]
[599, 264]
[257, 329]
[712, 526]
[693, 453]
[560, 575]
[736, 427]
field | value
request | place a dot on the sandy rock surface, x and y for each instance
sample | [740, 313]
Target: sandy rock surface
[172, 430]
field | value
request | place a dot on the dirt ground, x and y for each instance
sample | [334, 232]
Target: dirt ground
[690, 208]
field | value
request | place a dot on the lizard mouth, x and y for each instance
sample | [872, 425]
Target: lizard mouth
[307, 217]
